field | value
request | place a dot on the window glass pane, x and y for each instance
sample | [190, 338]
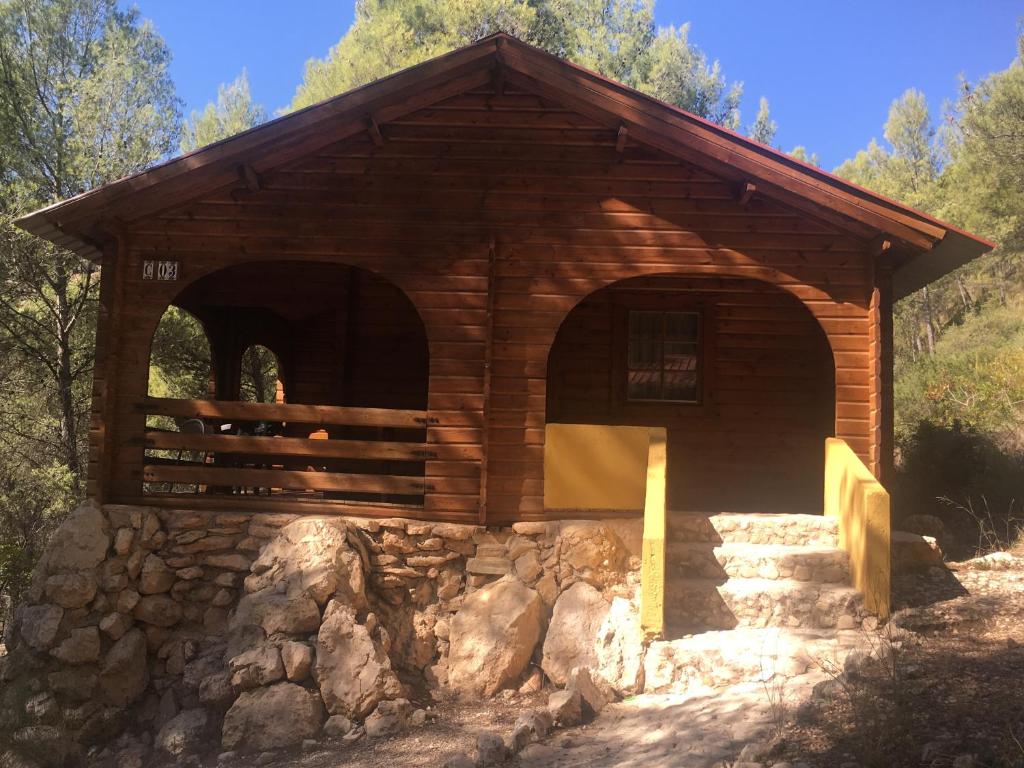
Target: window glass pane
[644, 354]
[681, 326]
[644, 385]
[663, 356]
[680, 385]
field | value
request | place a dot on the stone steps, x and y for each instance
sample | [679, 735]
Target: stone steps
[695, 605]
[753, 528]
[765, 561]
[697, 663]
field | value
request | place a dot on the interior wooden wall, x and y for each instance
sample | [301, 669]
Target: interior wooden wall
[754, 441]
[495, 215]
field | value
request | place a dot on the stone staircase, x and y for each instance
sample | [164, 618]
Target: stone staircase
[750, 597]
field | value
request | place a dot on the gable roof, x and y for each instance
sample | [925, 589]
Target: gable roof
[926, 247]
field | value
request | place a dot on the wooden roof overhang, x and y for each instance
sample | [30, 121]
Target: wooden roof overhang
[922, 248]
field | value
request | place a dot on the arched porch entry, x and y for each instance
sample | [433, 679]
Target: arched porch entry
[318, 389]
[335, 330]
[739, 371]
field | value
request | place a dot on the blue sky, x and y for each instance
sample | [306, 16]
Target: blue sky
[829, 68]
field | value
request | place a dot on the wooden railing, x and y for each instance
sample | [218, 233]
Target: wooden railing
[338, 452]
[860, 505]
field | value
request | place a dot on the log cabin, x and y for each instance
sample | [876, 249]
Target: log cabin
[451, 260]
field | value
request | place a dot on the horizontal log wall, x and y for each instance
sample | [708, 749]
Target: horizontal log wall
[564, 213]
[754, 441]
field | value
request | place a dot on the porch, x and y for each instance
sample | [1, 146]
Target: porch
[739, 372]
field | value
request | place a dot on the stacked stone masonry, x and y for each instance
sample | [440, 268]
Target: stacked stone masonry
[251, 631]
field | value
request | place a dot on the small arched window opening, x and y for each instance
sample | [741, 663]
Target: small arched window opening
[260, 379]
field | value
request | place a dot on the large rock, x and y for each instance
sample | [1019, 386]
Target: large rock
[80, 543]
[81, 646]
[297, 659]
[125, 674]
[571, 639]
[591, 552]
[39, 625]
[185, 733]
[271, 718]
[493, 636]
[256, 667]
[156, 577]
[619, 648]
[912, 551]
[352, 669]
[276, 613]
[71, 590]
[389, 718]
[313, 557]
[158, 610]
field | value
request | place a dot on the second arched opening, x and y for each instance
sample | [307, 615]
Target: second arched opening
[739, 371]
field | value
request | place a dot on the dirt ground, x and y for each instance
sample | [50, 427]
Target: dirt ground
[452, 728]
[954, 690]
[953, 694]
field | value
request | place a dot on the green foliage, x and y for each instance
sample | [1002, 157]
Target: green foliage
[233, 113]
[800, 153]
[33, 502]
[259, 375]
[179, 363]
[85, 98]
[617, 38]
[763, 128]
[975, 378]
[388, 35]
[959, 343]
[677, 72]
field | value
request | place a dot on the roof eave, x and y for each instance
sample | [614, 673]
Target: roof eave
[955, 250]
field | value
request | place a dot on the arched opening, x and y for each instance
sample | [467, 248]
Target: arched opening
[317, 380]
[260, 376]
[180, 362]
[739, 371]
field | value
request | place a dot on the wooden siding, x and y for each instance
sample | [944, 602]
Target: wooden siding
[564, 214]
[755, 440]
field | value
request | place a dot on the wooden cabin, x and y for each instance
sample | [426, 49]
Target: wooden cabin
[450, 259]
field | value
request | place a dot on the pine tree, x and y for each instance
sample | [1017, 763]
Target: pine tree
[233, 113]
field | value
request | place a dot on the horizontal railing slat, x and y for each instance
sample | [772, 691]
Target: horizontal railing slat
[292, 413]
[286, 446]
[284, 479]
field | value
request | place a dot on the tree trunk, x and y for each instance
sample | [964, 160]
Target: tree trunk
[929, 321]
[965, 295]
[67, 418]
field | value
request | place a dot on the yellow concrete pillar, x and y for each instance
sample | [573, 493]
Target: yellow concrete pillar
[652, 568]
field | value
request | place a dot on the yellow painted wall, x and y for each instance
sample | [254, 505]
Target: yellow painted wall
[591, 466]
[855, 498]
[594, 466]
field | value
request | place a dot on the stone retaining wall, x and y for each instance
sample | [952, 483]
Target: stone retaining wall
[183, 627]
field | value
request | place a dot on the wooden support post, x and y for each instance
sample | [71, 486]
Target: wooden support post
[488, 353]
[886, 416]
[102, 423]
